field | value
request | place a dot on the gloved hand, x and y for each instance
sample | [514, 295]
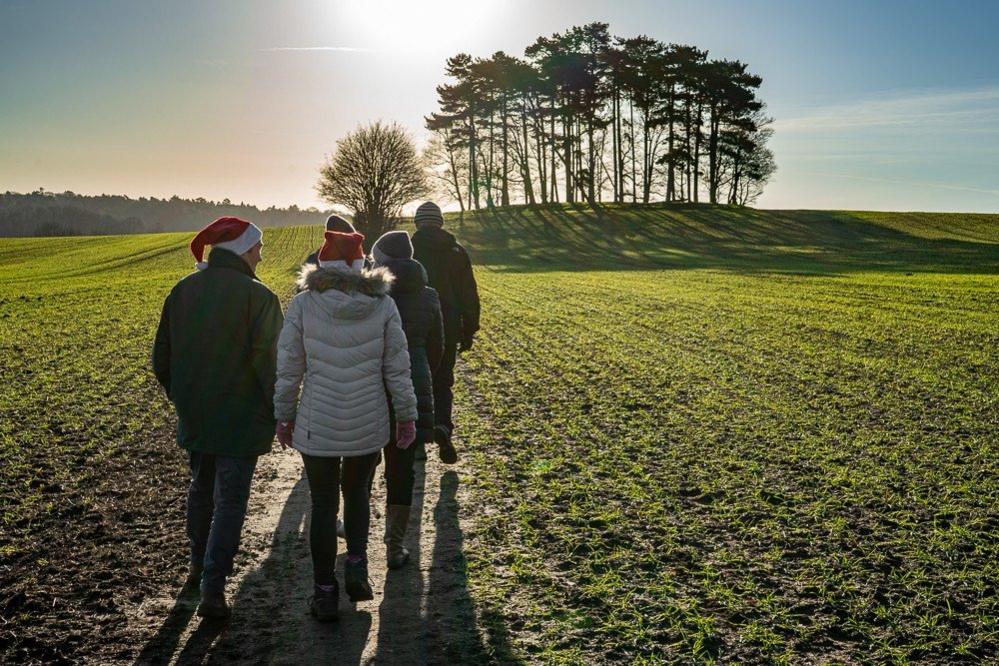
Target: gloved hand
[405, 433]
[466, 343]
[284, 432]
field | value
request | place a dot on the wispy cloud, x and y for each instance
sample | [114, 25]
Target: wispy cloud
[952, 110]
[341, 49]
[910, 183]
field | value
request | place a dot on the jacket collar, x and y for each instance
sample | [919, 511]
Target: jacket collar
[409, 275]
[434, 234]
[219, 258]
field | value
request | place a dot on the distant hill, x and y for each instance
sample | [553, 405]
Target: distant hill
[43, 213]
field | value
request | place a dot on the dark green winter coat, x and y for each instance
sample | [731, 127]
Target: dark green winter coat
[215, 354]
[420, 310]
[449, 271]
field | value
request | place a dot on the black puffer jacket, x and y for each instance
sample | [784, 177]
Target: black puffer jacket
[449, 271]
[420, 310]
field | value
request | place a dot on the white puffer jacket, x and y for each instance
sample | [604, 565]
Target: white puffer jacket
[344, 336]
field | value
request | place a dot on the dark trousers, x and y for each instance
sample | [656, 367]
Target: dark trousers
[327, 477]
[443, 386]
[399, 474]
[216, 508]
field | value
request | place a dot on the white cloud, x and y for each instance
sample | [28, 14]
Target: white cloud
[908, 183]
[973, 110]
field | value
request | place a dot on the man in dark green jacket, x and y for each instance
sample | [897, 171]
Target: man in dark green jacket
[215, 355]
[449, 271]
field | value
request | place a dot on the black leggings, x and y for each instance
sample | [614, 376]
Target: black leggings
[325, 483]
[399, 473]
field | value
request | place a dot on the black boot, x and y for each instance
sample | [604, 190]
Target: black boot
[193, 580]
[355, 580]
[213, 606]
[325, 606]
[442, 435]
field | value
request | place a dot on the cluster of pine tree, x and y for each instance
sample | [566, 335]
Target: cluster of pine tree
[587, 117]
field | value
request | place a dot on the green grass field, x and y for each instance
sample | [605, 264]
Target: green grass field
[695, 434]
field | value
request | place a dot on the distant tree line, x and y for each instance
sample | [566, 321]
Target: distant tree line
[43, 213]
[587, 117]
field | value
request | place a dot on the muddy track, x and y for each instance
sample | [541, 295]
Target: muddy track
[421, 614]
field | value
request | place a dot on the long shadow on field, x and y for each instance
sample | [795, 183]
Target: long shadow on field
[453, 623]
[271, 621]
[424, 617]
[568, 238]
[161, 647]
[402, 635]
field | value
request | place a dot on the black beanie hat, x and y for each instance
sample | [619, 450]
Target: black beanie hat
[392, 245]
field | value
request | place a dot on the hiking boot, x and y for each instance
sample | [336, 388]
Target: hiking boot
[442, 435]
[325, 605]
[355, 580]
[213, 606]
[340, 530]
[396, 520]
[193, 579]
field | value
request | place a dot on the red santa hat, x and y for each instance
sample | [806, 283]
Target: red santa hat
[344, 251]
[228, 233]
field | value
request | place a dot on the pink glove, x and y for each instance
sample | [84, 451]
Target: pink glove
[405, 433]
[284, 433]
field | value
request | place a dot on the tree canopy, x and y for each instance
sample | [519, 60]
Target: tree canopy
[587, 116]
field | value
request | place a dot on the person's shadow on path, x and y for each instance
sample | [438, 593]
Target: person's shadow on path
[425, 617]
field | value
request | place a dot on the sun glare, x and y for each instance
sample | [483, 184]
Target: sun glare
[408, 25]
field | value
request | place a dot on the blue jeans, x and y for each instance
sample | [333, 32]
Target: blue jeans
[216, 507]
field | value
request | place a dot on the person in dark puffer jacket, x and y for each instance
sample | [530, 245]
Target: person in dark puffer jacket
[419, 307]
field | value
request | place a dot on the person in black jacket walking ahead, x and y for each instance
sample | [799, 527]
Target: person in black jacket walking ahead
[449, 271]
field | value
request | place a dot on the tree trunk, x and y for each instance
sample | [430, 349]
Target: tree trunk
[551, 145]
[504, 179]
[686, 145]
[528, 186]
[614, 144]
[646, 167]
[490, 202]
[591, 189]
[542, 157]
[634, 171]
[713, 155]
[698, 121]
[567, 158]
[670, 175]
[473, 173]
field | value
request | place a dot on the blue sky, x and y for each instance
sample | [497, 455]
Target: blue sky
[878, 105]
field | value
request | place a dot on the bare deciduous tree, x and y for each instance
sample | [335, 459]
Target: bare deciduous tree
[374, 171]
[446, 165]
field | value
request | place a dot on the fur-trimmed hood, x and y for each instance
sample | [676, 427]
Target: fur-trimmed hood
[370, 282]
[342, 294]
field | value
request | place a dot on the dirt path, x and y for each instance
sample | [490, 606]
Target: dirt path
[421, 614]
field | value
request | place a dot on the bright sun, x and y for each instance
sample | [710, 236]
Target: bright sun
[414, 25]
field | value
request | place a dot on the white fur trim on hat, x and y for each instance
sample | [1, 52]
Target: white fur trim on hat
[245, 242]
[354, 266]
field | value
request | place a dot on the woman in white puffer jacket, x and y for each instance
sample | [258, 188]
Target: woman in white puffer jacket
[343, 336]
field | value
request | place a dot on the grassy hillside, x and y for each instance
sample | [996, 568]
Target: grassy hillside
[695, 433]
[749, 436]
